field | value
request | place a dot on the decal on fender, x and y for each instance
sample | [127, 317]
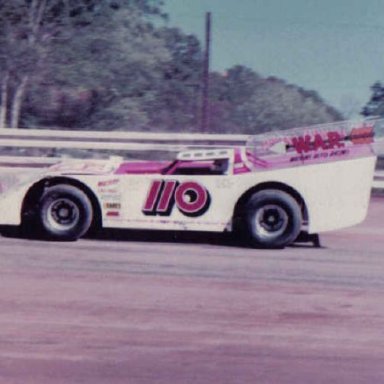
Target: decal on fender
[190, 198]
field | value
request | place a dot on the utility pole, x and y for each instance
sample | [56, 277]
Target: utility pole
[205, 80]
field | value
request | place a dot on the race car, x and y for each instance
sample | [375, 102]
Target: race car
[269, 191]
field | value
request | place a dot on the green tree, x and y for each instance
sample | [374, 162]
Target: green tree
[108, 64]
[375, 105]
[21, 51]
[118, 58]
[104, 48]
[229, 92]
[176, 95]
[243, 101]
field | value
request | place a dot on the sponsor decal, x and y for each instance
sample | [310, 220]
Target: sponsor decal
[362, 135]
[111, 197]
[190, 198]
[109, 190]
[310, 143]
[110, 205]
[322, 146]
[107, 183]
[113, 214]
[224, 183]
[78, 167]
[321, 155]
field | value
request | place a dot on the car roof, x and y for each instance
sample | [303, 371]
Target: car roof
[205, 154]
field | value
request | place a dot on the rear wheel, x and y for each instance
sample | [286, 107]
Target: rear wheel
[65, 213]
[272, 219]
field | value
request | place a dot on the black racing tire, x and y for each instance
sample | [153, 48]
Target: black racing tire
[271, 219]
[65, 213]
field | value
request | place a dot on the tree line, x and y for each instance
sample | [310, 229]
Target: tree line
[117, 65]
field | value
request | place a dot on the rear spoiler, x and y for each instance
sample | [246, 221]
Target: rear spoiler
[324, 137]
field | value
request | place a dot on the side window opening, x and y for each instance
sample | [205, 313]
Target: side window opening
[210, 167]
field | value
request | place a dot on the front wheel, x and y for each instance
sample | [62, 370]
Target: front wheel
[272, 219]
[65, 213]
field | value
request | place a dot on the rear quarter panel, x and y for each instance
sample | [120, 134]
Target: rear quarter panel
[336, 195]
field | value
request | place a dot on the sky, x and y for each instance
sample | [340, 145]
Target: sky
[335, 47]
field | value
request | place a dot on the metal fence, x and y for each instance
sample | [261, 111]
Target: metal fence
[37, 148]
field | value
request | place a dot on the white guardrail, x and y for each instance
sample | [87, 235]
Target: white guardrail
[378, 182]
[22, 140]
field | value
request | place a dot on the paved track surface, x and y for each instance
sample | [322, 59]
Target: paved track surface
[199, 310]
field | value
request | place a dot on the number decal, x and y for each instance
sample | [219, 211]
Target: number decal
[151, 201]
[191, 198]
[167, 199]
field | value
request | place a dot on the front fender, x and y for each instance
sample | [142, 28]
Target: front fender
[13, 188]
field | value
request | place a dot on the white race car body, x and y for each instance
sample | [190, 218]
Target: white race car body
[329, 172]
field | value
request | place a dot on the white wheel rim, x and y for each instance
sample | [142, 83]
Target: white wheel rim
[270, 221]
[63, 214]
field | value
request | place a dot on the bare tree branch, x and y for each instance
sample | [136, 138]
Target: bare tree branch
[4, 101]
[17, 102]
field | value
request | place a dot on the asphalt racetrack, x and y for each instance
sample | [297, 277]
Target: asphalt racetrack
[196, 310]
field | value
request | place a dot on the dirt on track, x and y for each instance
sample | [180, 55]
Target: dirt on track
[198, 310]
